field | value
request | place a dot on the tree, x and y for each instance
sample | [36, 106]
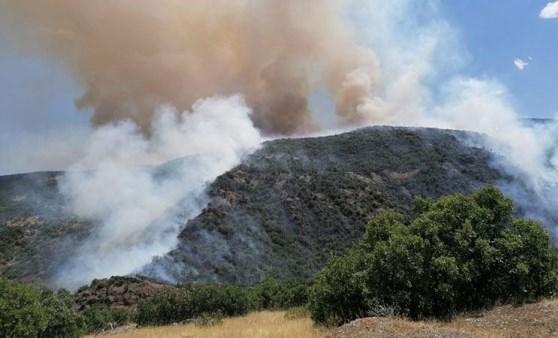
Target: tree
[459, 254]
[26, 311]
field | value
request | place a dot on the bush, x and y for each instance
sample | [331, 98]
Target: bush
[337, 295]
[191, 302]
[26, 311]
[199, 302]
[102, 317]
[63, 319]
[272, 294]
[458, 254]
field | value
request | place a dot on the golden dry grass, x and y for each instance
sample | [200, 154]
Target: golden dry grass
[531, 320]
[259, 324]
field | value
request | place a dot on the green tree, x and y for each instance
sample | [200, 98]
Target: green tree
[26, 311]
[21, 311]
[459, 254]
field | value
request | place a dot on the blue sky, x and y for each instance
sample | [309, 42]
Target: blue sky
[496, 33]
[37, 94]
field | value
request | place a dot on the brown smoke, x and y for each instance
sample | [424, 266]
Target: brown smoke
[133, 55]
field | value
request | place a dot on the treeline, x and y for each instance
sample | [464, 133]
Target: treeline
[27, 311]
[458, 254]
[215, 300]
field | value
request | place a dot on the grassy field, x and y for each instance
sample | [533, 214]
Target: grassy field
[532, 320]
[258, 324]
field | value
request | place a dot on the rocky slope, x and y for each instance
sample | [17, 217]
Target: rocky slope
[283, 212]
[296, 202]
[36, 232]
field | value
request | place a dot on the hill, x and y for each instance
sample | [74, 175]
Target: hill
[296, 202]
[282, 212]
[36, 232]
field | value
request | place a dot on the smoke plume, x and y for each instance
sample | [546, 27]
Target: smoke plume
[132, 56]
[139, 207]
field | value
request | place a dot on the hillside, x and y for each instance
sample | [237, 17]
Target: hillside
[36, 232]
[283, 212]
[296, 202]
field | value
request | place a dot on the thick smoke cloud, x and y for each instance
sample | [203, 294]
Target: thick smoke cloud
[132, 56]
[139, 207]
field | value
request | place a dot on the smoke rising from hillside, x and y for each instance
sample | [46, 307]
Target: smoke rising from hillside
[138, 207]
[381, 61]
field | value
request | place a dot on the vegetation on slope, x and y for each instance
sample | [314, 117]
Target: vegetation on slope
[36, 232]
[295, 203]
[458, 254]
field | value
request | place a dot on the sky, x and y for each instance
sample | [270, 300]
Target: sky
[497, 33]
[513, 41]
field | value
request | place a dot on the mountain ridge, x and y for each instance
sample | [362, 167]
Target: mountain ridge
[282, 212]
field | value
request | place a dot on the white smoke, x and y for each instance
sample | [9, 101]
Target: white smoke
[138, 206]
[423, 85]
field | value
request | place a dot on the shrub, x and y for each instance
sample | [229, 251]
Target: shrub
[337, 295]
[459, 254]
[26, 311]
[102, 317]
[272, 294]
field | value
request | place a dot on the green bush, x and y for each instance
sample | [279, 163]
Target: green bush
[191, 302]
[102, 317]
[26, 311]
[272, 294]
[167, 306]
[458, 254]
[199, 302]
[337, 295]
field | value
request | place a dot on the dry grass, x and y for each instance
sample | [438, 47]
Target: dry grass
[258, 324]
[532, 320]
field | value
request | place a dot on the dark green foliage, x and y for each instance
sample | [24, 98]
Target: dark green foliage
[459, 254]
[30, 312]
[272, 294]
[337, 295]
[165, 307]
[295, 203]
[63, 319]
[228, 300]
[98, 318]
[35, 227]
[176, 305]
[203, 301]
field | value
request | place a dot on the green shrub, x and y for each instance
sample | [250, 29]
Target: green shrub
[167, 306]
[205, 302]
[191, 302]
[63, 319]
[26, 311]
[228, 300]
[102, 317]
[459, 254]
[337, 295]
[272, 294]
